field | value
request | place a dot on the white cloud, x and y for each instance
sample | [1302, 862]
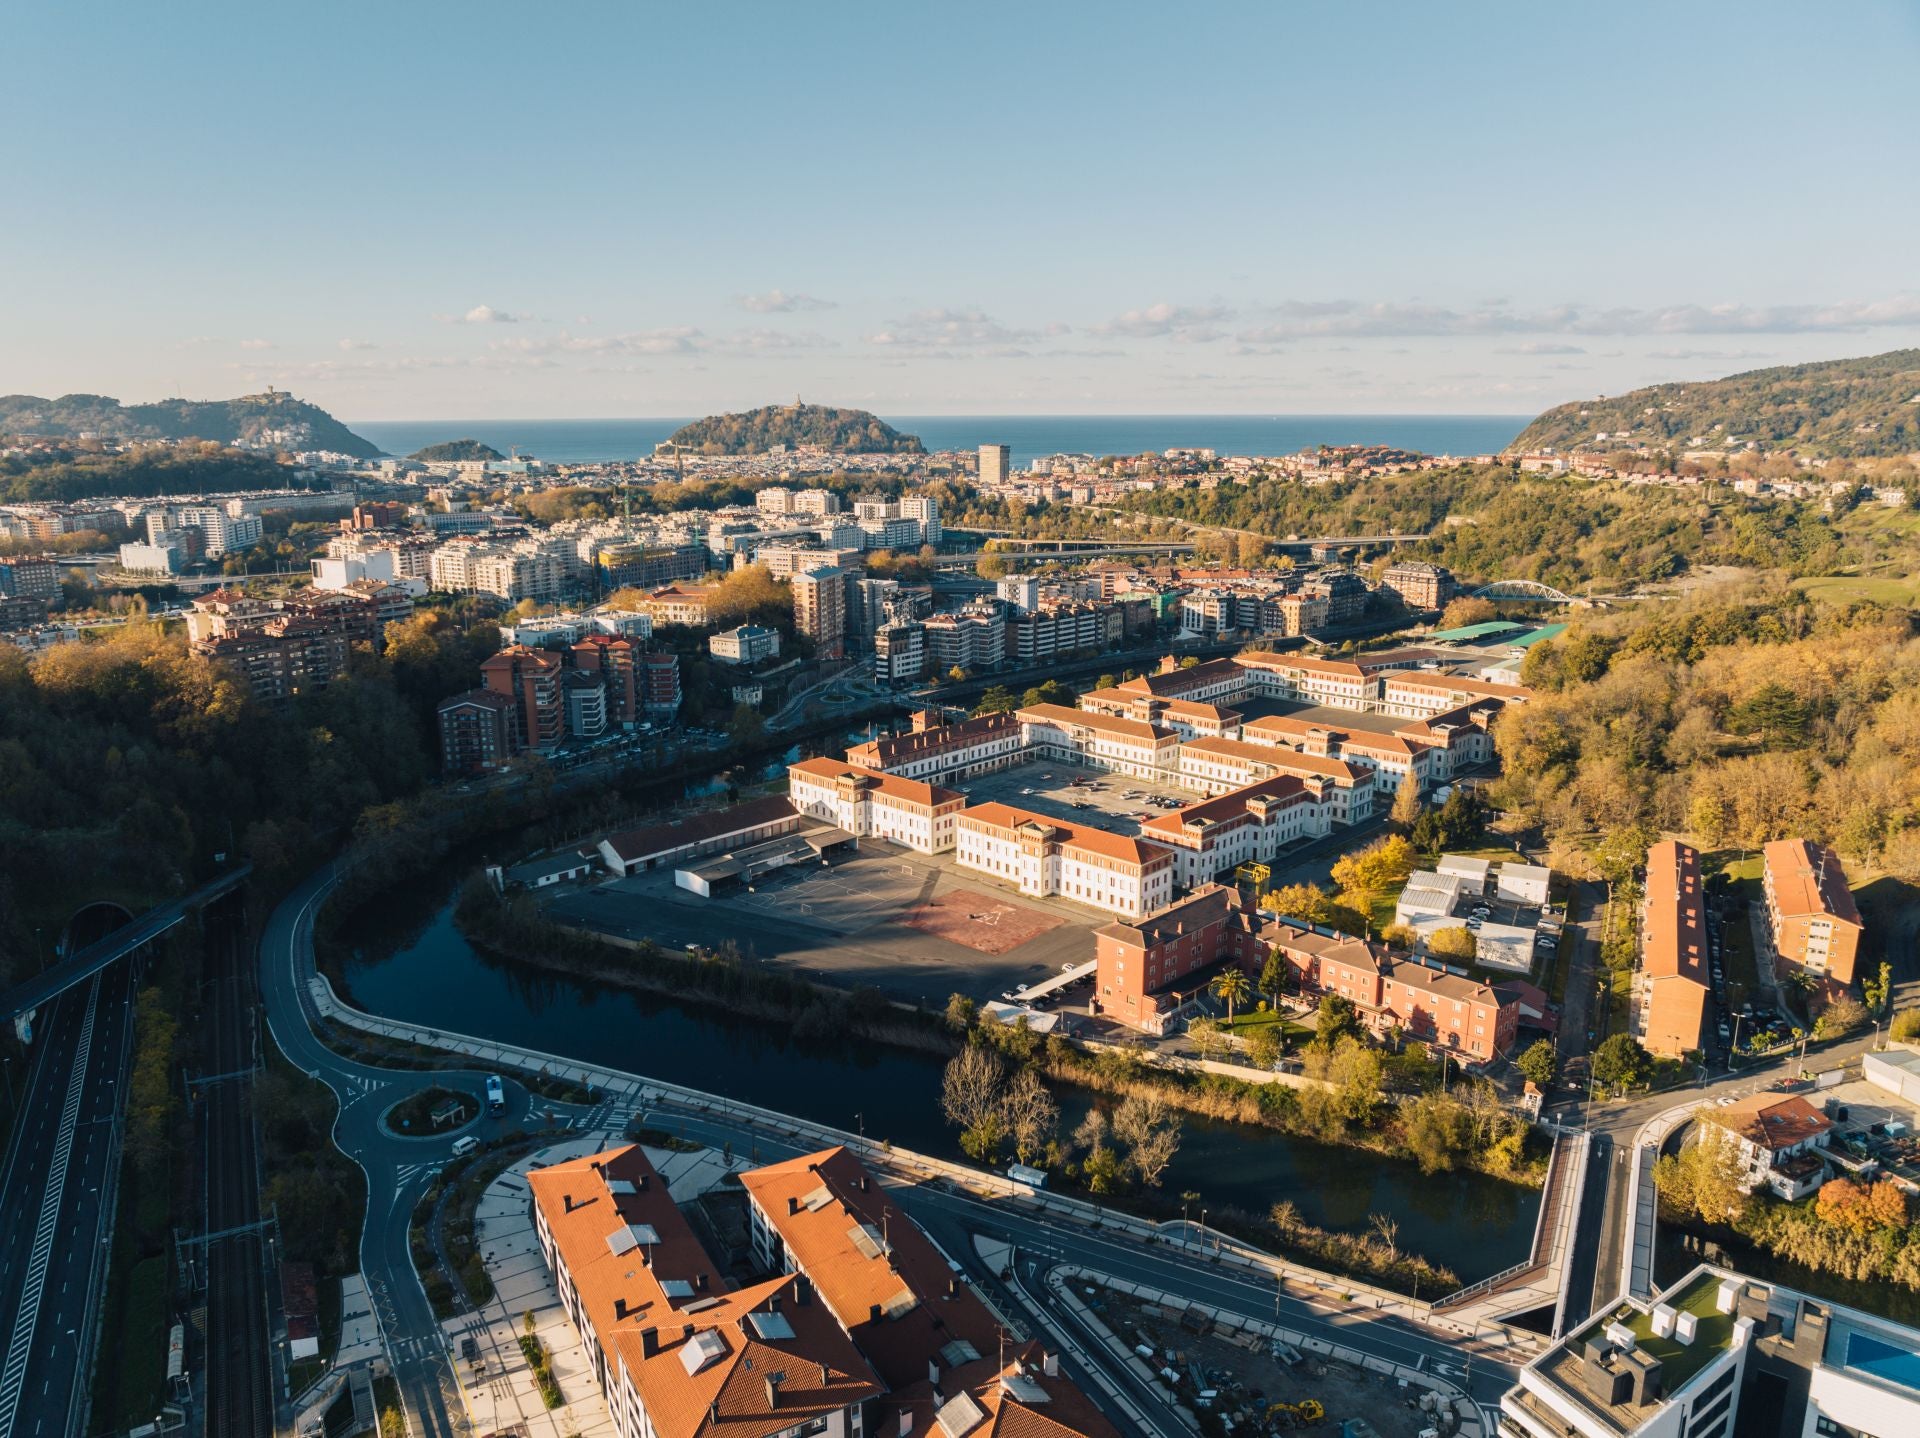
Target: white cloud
[256, 344]
[1189, 323]
[484, 315]
[948, 331]
[1308, 319]
[779, 302]
[1544, 347]
[357, 345]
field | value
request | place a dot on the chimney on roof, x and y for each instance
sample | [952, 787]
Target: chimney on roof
[773, 1303]
[803, 1291]
[873, 1313]
[953, 1287]
[1050, 1365]
[619, 1308]
[826, 1375]
[686, 1331]
[700, 1282]
[773, 1391]
[713, 1413]
[642, 1184]
[649, 1342]
[567, 1198]
[863, 1183]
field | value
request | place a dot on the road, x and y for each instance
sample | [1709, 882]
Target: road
[398, 1169]
[61, 1172]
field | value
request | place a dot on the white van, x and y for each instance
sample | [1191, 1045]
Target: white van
[464, 1146]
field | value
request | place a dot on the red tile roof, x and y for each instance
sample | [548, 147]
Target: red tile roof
[1068, 836]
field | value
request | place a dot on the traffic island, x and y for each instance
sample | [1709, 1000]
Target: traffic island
[431, 1113]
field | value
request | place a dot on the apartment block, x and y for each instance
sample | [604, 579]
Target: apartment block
[946, 1365]
[476, 731]
[1718, 1354]
[1811, 914]
[820, 610]
[745, 644]
[1672, 989]
[1419, 585]
[677, 1348]
[531, 679]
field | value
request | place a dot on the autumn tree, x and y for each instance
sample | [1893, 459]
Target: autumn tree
[1311, 904]
[1456, 941]
[1406, 801]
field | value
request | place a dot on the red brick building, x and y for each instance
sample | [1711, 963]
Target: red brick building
[1149, 967]
[531, 678]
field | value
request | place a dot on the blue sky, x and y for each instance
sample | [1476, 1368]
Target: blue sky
[409, 210]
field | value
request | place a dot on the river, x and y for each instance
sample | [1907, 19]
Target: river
[410, 962]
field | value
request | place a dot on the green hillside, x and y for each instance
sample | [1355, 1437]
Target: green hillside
[276, 420]
[1850, 408]
[853, 431]
[465, 450]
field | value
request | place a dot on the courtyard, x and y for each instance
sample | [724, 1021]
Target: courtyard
[1076, 795]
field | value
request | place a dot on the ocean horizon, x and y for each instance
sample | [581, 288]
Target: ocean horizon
[591, 441]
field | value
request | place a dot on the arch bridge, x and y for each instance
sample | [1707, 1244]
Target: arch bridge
[1525, 591]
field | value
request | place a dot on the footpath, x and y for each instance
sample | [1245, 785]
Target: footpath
[616, 1088]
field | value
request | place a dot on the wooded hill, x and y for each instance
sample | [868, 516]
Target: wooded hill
[275, 420]
[758, 430]
[1849, 408]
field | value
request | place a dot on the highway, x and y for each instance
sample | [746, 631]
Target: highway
[61, 1172]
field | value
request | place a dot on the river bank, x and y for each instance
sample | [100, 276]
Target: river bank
[403, 956]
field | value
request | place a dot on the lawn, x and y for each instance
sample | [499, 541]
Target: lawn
[1861, 588]
[1245, 1023]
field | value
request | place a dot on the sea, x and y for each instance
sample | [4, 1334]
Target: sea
[592, 441]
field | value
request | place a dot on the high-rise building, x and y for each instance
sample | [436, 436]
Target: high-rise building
[996, 460]
[531, 678]
[660, 689]
[1419, 585]
[1022, 591]
[820, 609]
[476, 731]
[926, 512]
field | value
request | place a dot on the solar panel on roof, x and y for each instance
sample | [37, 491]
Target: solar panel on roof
[958, 1352]
[770, 1327]
[866, 1240]
[677, 1288]
[817, 1200]
[622, 1240]
[960, 1415]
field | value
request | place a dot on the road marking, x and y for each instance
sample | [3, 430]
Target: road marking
[27, 1317]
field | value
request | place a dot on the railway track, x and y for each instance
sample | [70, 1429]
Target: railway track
[239, 1370]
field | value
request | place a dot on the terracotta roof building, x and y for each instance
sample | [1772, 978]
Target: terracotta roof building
[948, 1367]
[1671, 991]
[1810, 910]
[678, 1351]
[886, 806]
[1042, 857]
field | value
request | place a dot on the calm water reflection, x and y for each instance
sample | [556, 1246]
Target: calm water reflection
[410, 962]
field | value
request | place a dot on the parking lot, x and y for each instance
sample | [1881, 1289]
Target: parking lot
[1075, 795]
[916, 927]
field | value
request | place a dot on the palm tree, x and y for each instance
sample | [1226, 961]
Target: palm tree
[1230, 986]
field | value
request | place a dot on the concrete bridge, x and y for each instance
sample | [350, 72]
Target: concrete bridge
[25, 998]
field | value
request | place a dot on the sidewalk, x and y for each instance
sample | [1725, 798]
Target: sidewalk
[905, 1165]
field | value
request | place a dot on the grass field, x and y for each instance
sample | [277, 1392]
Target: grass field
[1245, 1023]
[1856, 588]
